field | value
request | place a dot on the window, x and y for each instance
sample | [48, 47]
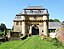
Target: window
[31, 11]
[39, 11]
[42, 31]
[42, 11]
[35, 11]
[17, 23]
[27, 11]
[18, 17]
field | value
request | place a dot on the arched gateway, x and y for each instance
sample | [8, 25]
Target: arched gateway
[32, 20]
[35, 30]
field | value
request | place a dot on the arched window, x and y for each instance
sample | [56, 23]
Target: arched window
[31, 11]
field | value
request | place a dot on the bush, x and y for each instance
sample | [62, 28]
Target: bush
[1, 33]
[56, 42]
[43, 37]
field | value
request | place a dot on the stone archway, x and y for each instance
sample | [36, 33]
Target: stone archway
[35, 30]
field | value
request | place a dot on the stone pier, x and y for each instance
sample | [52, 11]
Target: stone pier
[45, 25]
[23, 25]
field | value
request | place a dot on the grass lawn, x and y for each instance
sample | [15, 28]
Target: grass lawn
[33, 42]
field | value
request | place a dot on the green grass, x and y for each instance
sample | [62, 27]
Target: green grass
[33, 42]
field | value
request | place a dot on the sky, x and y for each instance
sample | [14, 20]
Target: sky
[9, 9]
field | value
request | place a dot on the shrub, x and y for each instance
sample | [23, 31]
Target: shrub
[56, 42]
[43, 37]
[1, 33]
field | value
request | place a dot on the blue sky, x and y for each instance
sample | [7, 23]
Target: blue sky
[9, 8]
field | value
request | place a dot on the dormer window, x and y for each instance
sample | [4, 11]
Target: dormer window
[39, 11]
[31, 11]
[18, 17]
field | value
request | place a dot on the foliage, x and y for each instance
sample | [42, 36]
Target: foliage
[51, 20]
[56, 42]
[52, 30]
[33, 42]
[1, 33]
[54, 20]
[2, 27]
[43, 37]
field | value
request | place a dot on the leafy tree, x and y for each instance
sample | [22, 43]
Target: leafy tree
[51, 20]
[2, 27]
[56, 20]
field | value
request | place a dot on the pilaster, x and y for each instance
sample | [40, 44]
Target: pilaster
[23, 25]
[45, 26]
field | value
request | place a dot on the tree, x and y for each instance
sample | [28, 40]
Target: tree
[56, 20]
[2, 27]
[51, 20]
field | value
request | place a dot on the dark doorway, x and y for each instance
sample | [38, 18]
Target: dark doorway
[35, 30]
